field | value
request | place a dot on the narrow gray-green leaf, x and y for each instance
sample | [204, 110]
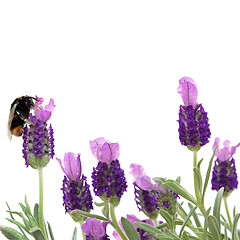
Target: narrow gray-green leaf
[37, 233]
[234, 227]
[168, 218]
[204, 235]
[149, 228]
[78, 214]
[185, 236]
[186, 220]
[129, 229]
[36, 213]
[74, 237]
[198, 176]
[50, 231]
[177, 188]
[195, 217]
[213, 227]
[208, 175]
[217, 206]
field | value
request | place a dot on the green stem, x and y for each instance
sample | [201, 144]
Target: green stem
[83, 234]
[227, 211]
[41, 219]
[155, 222]
[196, 186]
[115, 223]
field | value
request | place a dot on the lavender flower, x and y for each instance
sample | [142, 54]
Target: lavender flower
[108, 179]
[151, 197]
[224, 171]
[193, 129]
[38, 140]
[76, 192]
[95, 229]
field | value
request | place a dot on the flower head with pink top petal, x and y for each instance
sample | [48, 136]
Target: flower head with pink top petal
[224, 172]
[193, 128]
[108, 179]
[76, 191]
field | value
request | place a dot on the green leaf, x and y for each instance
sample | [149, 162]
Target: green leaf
[12, 234]
[195, 217]
[50, 231]
[204, 235]
[168, 218]
[20, 225]
[36, 213]
[198, 176]
[77, 215]
[129, 229]
[37, 233]
[186, 220]
[217, 206]
[74, 237]
[177, 188]
[208, 175]
[234, 227]
[185, 236]
[213, 227]
[149, 228]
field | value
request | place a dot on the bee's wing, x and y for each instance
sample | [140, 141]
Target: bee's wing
[10, 118]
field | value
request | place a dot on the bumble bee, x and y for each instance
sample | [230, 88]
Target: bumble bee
[19, 115]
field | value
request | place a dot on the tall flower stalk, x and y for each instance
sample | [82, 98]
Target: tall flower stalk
[38, 146]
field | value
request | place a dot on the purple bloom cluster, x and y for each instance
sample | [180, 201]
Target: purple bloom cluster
[37, 140]
[193, 126]
[151, 197]
[146, 200]
[224, 175]
[76, 194]
[109, 179]
[224, 171]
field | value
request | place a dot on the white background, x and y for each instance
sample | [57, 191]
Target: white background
[112, 68]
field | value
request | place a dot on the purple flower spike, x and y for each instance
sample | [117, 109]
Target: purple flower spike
[95, 229]
[76, 191]
[43, 113]
[104, 151]
[188, 90]
[72, 166]
[224, 171]
[108, 179]
[38, 143]
[194, 131]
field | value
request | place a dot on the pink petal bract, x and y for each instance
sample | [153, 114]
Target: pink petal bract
[188, 90]
[225, 153]
[136, 170]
